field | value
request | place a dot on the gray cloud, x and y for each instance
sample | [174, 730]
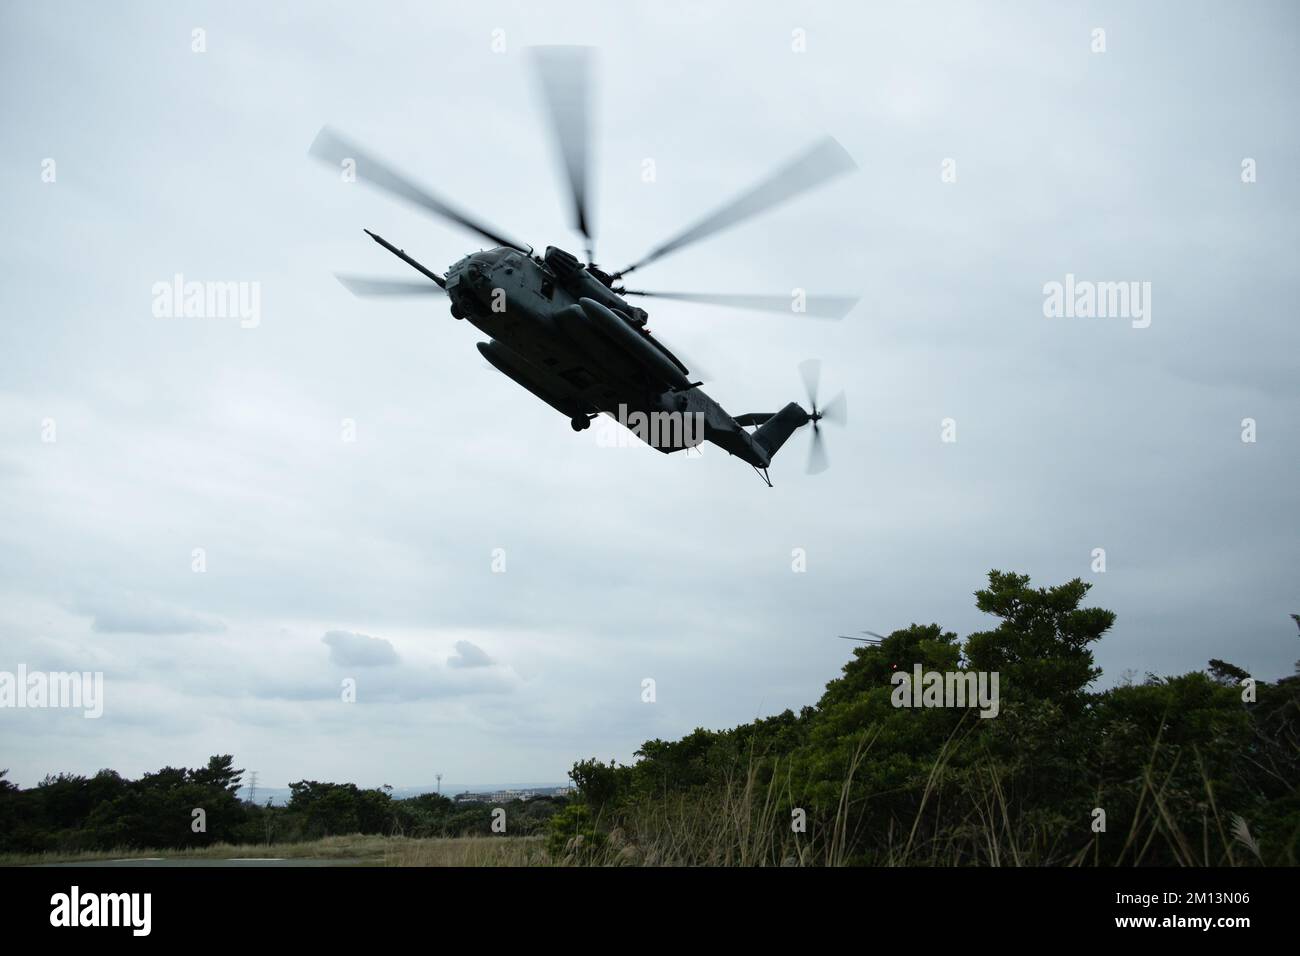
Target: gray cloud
[129, 614]
[359, 650]
[469, 655]
[624, 563]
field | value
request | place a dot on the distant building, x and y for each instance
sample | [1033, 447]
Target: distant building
[505, 796]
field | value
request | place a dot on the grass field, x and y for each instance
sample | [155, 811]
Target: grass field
[356, 850]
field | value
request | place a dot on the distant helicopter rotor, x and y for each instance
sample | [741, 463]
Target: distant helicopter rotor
[873, 640]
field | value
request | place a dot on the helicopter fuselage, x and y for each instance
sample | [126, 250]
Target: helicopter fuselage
[563, 334]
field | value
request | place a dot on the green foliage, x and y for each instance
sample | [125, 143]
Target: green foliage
[68, 813]
[1041, 645]
[106, 811]
[572, 834]
[598, 782]
[1173, 762]
[330, 809]
[1186, 771]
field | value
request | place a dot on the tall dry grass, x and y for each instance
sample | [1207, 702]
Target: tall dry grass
[741, 822]
[744, 821]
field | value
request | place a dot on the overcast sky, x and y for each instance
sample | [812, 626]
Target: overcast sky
[373, 559]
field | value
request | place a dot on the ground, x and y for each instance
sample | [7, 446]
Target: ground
[353, 850]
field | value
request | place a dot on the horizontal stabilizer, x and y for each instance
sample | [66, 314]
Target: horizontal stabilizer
[749, 419]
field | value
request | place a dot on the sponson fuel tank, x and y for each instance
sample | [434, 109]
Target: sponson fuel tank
[633, 343]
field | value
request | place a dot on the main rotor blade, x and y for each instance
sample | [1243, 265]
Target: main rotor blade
[811, 372]
[817, 460]
[824, 161]
[565, 75]
[365, 286]
[817, 306]
[332, 149]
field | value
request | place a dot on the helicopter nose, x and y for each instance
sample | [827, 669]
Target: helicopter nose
[479, 267]
[469, 273]
[469, 281]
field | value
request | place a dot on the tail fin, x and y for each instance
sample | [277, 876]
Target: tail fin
[773, 433]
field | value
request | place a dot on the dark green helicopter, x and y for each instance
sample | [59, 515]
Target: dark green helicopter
[562, 328]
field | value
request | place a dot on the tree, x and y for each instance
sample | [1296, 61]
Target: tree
[1040, 648]
[1226, 673]
[219, 773]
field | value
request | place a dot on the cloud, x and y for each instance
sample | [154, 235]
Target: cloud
[359, 650]
[130, 614]
[1072, 434]
[469, 654]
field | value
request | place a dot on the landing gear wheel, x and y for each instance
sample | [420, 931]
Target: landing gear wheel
[579, 422]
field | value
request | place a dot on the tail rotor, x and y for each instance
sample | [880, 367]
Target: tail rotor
[835, 411]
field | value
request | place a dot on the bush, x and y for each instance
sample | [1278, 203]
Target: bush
[1184, 770]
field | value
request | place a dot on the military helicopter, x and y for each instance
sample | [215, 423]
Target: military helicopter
[564, 330]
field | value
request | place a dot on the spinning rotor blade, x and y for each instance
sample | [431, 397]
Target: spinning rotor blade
[837, 410]
[565, 75]
[365, 287]
[817, 306]
[826, 160]
[863, 640]
[332, 149]
[811, 372]
[817, 459]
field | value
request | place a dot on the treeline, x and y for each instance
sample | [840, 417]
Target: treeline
[1198, 769]
[179, 808]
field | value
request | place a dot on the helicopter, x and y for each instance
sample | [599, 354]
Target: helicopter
[563, 328]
